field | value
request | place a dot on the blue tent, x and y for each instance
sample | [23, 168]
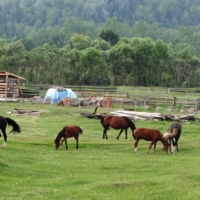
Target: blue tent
[56, 95]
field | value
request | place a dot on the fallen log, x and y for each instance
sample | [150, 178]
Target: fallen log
[26, 112]
[150, 116]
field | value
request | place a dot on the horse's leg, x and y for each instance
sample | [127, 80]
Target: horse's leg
[175, 145]
[76, 138]
[5, 137]
[155, 147]
[105, 133]
[120, 134]
[152, 142]
[172, 145]
[126, 134]
[61, 143]
[64, 139]
[135, 145]
[66, 144]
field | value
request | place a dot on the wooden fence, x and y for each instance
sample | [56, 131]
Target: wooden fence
[122, 98]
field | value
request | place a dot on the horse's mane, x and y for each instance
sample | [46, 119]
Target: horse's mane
[132, 125]
[60, 135]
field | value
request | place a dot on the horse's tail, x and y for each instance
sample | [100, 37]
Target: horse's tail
[172, 134]
[131, 124]
[80, 130]
[102, 121]
[16, 127]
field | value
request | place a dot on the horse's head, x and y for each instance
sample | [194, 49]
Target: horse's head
[166, 145]
[57, 143]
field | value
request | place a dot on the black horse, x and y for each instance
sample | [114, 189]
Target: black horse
[3, 124]
[174, 140]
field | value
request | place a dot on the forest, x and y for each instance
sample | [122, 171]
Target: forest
[105, 42]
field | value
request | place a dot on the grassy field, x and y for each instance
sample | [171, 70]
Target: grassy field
[31, 168]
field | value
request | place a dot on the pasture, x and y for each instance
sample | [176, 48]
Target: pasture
[31, 168]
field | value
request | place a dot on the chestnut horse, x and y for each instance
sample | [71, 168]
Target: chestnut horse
[152, 135]
[173, 138]
[117, 122]
[68, 132]
[3, 124]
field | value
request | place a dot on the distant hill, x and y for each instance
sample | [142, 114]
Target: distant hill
[20, 17]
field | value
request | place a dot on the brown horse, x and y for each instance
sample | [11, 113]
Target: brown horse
[116, 122]
[152, 135]
[173, 134]
[67, 132]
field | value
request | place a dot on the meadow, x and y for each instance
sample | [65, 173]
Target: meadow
[31, 168]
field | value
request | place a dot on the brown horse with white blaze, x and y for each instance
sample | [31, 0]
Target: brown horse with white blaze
[152, 135]
[68, 132]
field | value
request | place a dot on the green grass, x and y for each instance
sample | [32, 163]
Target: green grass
[31, 168]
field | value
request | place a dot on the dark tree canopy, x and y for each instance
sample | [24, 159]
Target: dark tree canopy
[109, 36]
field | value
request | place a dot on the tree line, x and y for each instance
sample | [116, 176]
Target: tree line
[105, 60]
[37, 22]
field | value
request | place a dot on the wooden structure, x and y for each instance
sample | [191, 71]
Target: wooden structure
[9, 84]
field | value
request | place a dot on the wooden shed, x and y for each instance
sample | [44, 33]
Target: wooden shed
[10, 84]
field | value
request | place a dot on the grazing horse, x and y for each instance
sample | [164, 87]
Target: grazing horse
[67, 132]
[117, 122]
[3, 124]
[152, 135]
[173, 136]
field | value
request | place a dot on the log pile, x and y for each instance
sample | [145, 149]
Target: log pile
[26, 112]
[152, 116]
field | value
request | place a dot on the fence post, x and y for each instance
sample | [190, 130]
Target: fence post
[81, 90]
[20, 103]
[135, 105]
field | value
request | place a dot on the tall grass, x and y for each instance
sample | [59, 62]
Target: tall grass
[31, 168]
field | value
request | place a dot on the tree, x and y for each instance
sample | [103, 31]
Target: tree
[122, 64]
[79, 42]
[144, 60]
[15, 56]
[110, 36]
[93, 68]
[101, 44]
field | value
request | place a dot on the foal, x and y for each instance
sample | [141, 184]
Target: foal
[67, 132]
[152, 135]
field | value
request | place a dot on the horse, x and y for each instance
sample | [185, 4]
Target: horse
[173, 138]
[3, 124]
[152, 135]
[117, 122]
[68, 132]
